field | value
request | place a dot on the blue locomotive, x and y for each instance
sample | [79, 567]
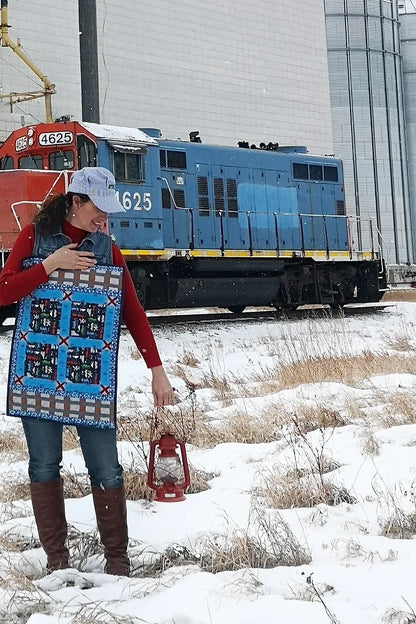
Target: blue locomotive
[207, 225]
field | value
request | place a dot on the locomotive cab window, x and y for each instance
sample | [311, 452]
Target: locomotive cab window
[172, 159]
[64, 159]
[330, 174]
[129, 167]
[87, 156]
[30, 162]
[315, 172]
[6, 163]
[300, 171]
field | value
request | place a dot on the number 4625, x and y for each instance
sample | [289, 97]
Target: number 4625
[137, 201]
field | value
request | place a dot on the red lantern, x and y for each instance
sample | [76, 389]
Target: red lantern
[168, 475]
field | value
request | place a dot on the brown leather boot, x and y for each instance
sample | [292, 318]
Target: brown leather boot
[111, 512]
[49, 509]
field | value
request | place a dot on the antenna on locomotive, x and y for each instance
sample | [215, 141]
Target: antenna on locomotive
[49, 88]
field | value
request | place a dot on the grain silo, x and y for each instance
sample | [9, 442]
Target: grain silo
[365, 71]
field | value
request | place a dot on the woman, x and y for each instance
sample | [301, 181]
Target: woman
[67, 233]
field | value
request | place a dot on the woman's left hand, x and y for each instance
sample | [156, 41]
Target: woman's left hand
[161, 388]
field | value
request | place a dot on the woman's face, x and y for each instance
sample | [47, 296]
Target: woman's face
[87, 216]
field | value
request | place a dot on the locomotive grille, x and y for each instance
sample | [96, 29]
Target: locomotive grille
[203, 201]
[340, 207]
[179, 197]
[203, 205]
[219, 199]
[232, 197]
[166, 203]
[202, 186]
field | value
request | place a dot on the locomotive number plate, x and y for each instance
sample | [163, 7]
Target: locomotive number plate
[21, 143]
[55, 138]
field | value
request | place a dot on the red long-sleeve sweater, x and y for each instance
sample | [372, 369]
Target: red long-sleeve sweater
[16, 282]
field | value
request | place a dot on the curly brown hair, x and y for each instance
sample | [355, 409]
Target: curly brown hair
[53, 211]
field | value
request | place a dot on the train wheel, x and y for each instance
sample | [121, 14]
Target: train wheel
[236, 309]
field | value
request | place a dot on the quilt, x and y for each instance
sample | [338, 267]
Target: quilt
[63, 363]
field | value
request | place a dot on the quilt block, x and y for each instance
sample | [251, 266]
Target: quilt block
[63, 363]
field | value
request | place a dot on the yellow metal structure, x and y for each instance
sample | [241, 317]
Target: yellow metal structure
[49, 88]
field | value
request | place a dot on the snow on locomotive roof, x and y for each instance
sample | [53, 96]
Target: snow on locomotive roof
[129, 136]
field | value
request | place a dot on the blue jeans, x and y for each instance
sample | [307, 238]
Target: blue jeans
[44, 442]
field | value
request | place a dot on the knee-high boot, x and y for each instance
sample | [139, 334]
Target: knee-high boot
[111, 512]
[49, 509]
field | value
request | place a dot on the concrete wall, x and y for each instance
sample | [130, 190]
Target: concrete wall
[48, 31]
[232, 70]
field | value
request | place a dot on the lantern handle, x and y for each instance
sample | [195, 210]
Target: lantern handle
[185, 467]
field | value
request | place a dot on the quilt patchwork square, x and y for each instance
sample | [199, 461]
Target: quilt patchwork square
[63, 363]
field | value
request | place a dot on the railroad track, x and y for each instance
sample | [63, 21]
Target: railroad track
[170, 317]
[189, 316]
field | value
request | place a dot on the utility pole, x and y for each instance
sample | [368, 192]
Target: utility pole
[87, 11]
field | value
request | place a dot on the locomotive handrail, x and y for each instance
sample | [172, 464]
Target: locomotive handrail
[16, 216]
[190, 212]
[63, 174]
[277, 232]
[326, 236]
[301, 217]
[175, 205]
[302, 234]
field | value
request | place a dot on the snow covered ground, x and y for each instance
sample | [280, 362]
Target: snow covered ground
[349, 431]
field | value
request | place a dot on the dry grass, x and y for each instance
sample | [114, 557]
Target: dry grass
[407, 294]
[17, 543]
[293, 490]
[396, 616]
[154, 564]
[22, 604]
[70, 438]
[248, 429]
[238, 552]
[12, 489]
[76, 485]
[273, 545]
[199, 480]
[13, 445]
[309, 419]
[403, 344]
[134, 426]
[349, 370]
[369, 444]
[135, 484]
[82, 546]
[188, 359]
[97, 614]
[401, 409]
[399, 525]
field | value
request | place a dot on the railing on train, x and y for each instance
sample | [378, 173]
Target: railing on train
[372, 238]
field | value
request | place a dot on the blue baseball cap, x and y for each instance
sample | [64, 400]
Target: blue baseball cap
[99, 184]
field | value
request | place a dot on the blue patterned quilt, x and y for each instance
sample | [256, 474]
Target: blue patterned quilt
[63, 363]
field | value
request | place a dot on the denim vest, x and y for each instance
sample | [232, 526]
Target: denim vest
[97, 242]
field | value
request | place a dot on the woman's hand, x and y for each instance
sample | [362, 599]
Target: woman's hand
[67, 257]
[161, 388]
